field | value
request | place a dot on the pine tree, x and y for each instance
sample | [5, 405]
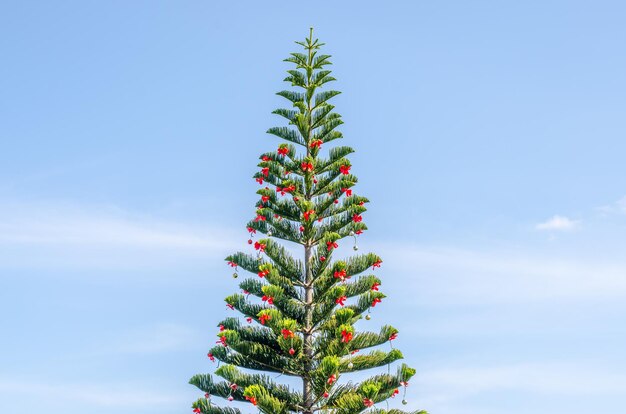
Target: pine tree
[300, 314]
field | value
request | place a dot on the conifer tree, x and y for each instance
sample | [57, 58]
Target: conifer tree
[299, 315]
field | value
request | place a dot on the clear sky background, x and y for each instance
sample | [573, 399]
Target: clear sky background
[490, 138]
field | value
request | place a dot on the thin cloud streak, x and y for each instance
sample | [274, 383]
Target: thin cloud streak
[119, 396]
[164, 337]
[81, 227]
[37, 236]
[457, 383]
[458, 276]
[619, 207]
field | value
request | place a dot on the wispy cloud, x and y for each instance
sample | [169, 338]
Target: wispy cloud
[59, 225]
[73, 394]
[162, 337]
[457, 383]
[448, 275]
[94, 236]
[558, 223]
[619, 207]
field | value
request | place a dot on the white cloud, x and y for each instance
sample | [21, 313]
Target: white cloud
[558, 223]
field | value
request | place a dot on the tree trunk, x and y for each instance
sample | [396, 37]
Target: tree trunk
[308, 334]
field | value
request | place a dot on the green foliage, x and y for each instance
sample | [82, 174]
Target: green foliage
[300, 315]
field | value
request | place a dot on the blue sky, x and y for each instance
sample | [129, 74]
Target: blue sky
[489, 138]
